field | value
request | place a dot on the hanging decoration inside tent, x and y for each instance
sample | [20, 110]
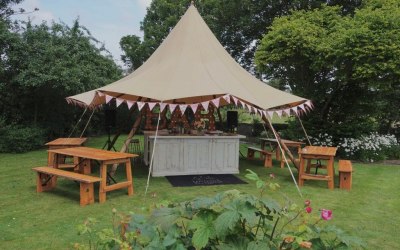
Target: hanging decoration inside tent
[209, 116]
[178, 120]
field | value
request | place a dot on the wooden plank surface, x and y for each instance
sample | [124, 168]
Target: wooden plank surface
[67, 142]
[92, 153]
[67, 174]
[317, 150]
[287, 142]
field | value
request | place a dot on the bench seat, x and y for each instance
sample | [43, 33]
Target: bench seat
[47, 179]
[263, 155]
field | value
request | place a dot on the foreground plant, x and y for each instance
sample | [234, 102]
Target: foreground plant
[229, 220]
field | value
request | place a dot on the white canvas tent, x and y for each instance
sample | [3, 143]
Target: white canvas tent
[190, 67]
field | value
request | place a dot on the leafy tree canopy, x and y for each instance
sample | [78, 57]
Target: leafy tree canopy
[348, 65]
[238, 24]
[42, 64]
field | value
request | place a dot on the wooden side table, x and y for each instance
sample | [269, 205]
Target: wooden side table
[309, 153]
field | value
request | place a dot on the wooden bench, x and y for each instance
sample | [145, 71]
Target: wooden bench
[263, 154]
[345, 174]
[47, 179]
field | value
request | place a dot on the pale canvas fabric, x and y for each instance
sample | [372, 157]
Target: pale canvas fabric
[191, 66]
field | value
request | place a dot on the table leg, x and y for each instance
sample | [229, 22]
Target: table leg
[84, 166]
[103, 183]
[129, 176]
[301, 171]
[331, 173]
[278, 153]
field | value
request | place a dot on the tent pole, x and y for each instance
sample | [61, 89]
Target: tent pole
[90, 118]
[152, 153]
[80, 119]
[280, 145]
[127, 140]
[304, 130]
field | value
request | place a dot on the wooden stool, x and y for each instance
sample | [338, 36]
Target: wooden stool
[345, 174]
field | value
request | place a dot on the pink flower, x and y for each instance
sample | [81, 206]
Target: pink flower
[272, 176]
[307, 203]
[308, 209]
[326, 214]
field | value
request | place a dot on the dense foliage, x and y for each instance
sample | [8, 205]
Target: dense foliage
[229, 220]
[348, 65]
[238, 24]
[42, 64]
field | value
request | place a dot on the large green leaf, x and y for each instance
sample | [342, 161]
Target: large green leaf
[226, 221]
[165, 217]
[203, 227]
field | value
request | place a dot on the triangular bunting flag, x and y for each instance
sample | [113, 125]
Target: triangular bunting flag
[294, 110]
[151, 105]
[194, 107]
[215, 102]
[279, 113]
[227, 98]
[308, 103]
[108, 98]
[287, 111]
[172, 107]
[99, 93]
[248, 107]
[140, 105]
[205, 105]
[130, 104]
[183, 108]
[235, 100]
[162, 107]
[118, 101]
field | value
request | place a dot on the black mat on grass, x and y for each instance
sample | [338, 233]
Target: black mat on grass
[203, 180]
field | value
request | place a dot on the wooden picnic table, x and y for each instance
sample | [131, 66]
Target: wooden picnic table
[63, 143]
[84, 156]
[274, 144]
[309, 153]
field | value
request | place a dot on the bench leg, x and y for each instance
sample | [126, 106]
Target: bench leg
[268, 161]
[43, 183]
[250, 154]
[87, 193]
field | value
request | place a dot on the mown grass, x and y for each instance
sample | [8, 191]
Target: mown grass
[30, 220]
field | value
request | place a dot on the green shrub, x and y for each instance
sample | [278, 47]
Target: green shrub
[230, 220]
[19, 139]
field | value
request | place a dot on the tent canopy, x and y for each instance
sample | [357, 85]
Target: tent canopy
[189, 67]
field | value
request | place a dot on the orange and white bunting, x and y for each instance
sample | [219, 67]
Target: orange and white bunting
[109, 98]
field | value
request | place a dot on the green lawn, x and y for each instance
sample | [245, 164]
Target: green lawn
[48, 220]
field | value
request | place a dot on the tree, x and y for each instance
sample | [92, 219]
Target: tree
[44, 65]
[348, 65]
[238, 24]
